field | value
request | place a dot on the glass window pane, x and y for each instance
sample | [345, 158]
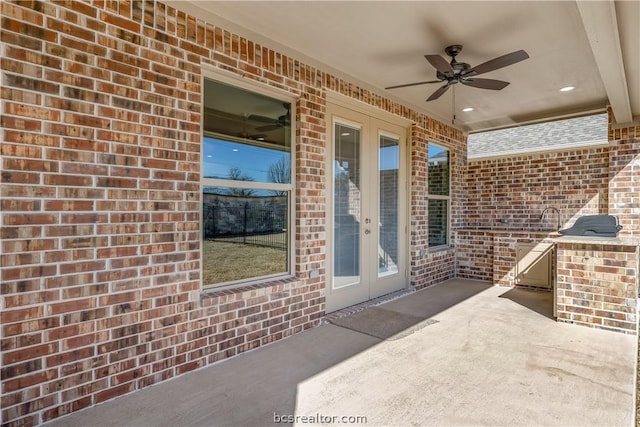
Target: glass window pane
[438, 166]
[346, 206]
[438, 222]
[246, 140]
[245, 234]
[247, 135]
[389, 167]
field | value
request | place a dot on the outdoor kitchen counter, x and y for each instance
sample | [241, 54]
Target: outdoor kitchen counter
[489, 253]
[597, 281]
[620, 240]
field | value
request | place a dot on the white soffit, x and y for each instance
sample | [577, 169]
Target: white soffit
[628, 13]
[376, 44]
[601, 25]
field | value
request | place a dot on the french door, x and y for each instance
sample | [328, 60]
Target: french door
[368, 186]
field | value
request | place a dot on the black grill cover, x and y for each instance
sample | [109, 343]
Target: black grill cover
[594, 225]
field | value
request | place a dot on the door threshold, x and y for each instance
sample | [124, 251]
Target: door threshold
[343, 312]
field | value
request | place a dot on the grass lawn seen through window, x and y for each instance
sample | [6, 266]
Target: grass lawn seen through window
[225, 261]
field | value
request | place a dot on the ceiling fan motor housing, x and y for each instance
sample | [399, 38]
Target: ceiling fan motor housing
[460, 72]
[458, 67]
[453, 50]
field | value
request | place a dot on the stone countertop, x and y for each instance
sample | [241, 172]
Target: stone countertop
[594, 240]
[556, 237]
[549, 232]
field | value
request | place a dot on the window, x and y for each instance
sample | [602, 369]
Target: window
[246, 185]
[438, 197]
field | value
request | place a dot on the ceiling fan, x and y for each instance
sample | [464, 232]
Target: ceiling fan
[454, 72]
[282, 121]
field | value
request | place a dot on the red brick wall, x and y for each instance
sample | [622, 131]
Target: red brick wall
[474, 254]
[598, 285]
[624, 186]
[101, 288]
[511, 193]
[517, 189]
[490, 255]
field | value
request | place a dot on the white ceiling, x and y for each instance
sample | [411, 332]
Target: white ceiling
[592, 45]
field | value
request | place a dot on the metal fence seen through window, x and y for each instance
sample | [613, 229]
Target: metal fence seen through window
[252, 222]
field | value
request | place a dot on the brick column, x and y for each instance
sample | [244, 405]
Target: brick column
[624, 177]
[598, 284]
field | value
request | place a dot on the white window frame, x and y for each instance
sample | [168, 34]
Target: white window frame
[447, 198]
[281, 95]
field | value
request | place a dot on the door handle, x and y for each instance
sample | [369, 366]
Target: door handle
[367, 231]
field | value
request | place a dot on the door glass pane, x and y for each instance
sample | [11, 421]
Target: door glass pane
[389, 168]
[347, 205]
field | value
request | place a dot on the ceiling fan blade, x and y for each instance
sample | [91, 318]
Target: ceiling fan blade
[271, 127]
[438, 93]
[440, 64]
[485, 83]
[263, 119]
[268, 127]
[413, 84]
[496, 63]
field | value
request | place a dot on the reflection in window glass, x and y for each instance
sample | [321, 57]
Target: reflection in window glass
[245, 162]
[438, 164]
[247, 117]
[246, 168]
[438, 222]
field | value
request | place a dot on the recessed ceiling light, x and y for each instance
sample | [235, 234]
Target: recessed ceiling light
[466, 110]
[567, 89]
[345, 134]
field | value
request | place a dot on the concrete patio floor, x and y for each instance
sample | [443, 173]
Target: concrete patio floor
[493, 356]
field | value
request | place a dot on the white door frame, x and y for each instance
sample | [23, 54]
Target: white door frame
[375, 123]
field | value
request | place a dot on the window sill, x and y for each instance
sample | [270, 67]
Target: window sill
[442, 248]
[216, 291]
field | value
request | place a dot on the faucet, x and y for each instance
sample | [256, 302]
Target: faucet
[552, 208]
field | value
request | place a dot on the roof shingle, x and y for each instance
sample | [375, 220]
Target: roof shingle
[549, 136]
